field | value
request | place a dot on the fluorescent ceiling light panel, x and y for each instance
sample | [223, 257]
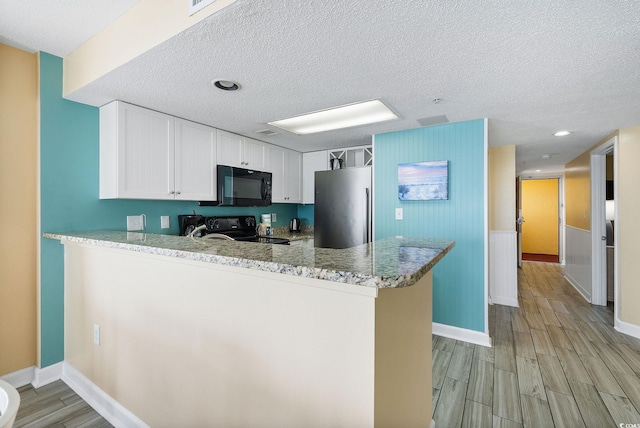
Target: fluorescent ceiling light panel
[337, 118]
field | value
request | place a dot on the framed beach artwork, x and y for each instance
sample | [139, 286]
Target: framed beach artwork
[423, 181]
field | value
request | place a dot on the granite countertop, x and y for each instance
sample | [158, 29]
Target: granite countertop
[387, 263]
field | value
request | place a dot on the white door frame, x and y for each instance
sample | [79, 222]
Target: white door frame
[561, 213]
[598, 227]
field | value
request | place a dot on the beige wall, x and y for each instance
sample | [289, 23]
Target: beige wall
[577, 187]
[143, 27]
[628, 201]
[268, 349]
[502, 188]
[18, 157]
[578, 192]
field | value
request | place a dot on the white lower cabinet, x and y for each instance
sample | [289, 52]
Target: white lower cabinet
[286, 167]
[145, 154]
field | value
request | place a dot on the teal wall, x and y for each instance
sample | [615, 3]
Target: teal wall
[458, 289]
[69, 145]
[306, 215]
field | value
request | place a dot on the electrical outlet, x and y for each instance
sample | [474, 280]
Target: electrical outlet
[274, 217]
[96, 334]
[164, 222]
[399, 214]
[135, 222]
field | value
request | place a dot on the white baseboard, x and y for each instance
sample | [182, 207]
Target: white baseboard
[626, 328]
[578, 288]
[463, 334]
[506, 301]
[20, 378]
[47, 375]
[103, 403]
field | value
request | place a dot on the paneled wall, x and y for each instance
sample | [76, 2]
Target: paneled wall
[69, 196]
[18, 148]
[459, 279]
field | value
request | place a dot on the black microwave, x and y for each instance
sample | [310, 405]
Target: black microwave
[239, 187]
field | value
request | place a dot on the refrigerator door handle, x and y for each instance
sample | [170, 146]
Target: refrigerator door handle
[367, 216]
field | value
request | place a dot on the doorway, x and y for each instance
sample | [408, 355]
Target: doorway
[604, 258]
[541, 214]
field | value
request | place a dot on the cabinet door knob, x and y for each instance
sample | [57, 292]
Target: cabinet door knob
[171, 192]
[178, 192]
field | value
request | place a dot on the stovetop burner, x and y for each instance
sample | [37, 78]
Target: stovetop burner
[240, 228]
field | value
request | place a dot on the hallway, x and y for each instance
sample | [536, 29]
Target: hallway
[556, 361]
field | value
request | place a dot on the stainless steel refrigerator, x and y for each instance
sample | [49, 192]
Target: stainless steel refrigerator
[342, 210]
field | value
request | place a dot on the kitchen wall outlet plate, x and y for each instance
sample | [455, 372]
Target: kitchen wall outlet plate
[164, 222]
[96, 334]
[135, 222]
[399, 214]
[274, 217]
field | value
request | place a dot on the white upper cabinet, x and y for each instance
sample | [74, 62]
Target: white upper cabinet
[239, 151]
[136, 150]
[286, 167]
[145, 154]
[293, 176]
[275, 165]
[312, 162]
[195, 161]
[253, 154]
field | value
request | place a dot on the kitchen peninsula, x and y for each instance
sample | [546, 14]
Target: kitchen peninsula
[202, 332]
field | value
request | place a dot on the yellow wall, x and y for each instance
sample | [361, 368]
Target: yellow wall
[540, 211]
[143, 27]
[18, 160]
[502, 188]
[577, 187]
[627, 225]
[578, 192]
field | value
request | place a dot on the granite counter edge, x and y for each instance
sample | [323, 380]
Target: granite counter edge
[344, 277]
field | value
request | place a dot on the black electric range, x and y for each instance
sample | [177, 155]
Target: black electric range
[238, 228]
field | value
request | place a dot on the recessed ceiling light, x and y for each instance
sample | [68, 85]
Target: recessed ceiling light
[546, 156]
[561, 133]
[346, 116]
[226, 85]
[538, 170]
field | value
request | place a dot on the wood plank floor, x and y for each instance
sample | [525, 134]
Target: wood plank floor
[557, 361]
[55, 406]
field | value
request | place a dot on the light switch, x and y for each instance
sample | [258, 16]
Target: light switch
[399, 214]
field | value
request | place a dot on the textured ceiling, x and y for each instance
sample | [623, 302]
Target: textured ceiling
[56, 27]
[531, 68]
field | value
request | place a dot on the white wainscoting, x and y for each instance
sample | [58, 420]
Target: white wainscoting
[578, 260]
[503, 267]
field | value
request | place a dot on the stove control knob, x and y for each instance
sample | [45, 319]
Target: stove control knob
[250, 221]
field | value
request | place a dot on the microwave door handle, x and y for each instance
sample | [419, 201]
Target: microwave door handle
[263, 189]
